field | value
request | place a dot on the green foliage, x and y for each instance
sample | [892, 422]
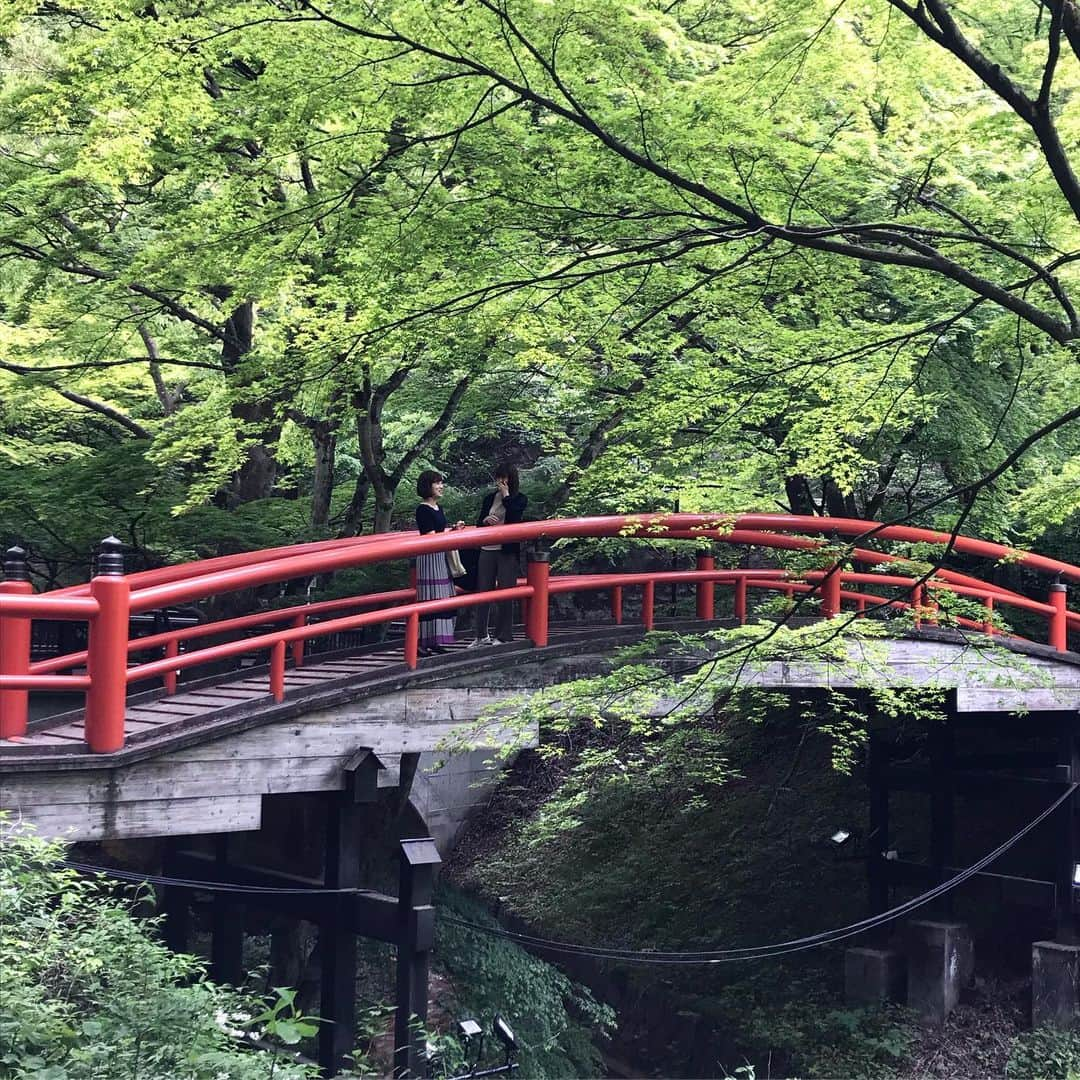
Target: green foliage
[1045, 1054]
[800, 1024]
[556, 1020]
[746, 864]
[87, 994]
[660, 716]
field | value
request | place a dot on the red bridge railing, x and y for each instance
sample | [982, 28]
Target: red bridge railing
[109, 600]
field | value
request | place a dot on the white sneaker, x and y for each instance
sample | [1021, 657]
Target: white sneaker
[477, 642]
[498, 641]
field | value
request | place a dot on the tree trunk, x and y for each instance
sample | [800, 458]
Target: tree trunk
[800, 498]
[384, 510]
[256, 476]
[324, 440]
[353, 522]
[836, 504]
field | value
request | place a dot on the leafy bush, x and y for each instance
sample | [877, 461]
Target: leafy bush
[786, 1018]
[87, 994]
[1045, 1054]
[552, 1017]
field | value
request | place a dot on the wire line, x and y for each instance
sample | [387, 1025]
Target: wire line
[599, 952]
[762, 952]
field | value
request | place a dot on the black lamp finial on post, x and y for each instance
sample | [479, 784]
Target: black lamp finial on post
[110, 558]
[16, 566]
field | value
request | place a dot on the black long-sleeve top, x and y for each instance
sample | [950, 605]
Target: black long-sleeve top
[515, 510]
[430, 519]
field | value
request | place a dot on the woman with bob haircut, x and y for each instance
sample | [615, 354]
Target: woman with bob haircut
[498, 566]
[433, 580]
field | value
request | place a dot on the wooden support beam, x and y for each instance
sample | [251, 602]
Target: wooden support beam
[174, 904]
[878, 833]
[1010, 760]
[1067, 927]
[1037, 722]
[368, 913]
[227, 925]
[419, 858]
[337, 938]
[942, 779]
[989, 785]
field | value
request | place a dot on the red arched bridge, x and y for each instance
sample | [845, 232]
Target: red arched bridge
[174, 742]
[852, 576]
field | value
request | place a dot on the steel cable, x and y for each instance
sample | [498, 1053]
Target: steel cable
[627, 956]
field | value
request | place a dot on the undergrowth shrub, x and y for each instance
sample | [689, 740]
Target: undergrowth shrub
[86, 993]
[553, 1017]
[1045, 1054]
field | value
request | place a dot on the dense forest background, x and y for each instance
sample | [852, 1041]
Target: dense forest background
[263, 262]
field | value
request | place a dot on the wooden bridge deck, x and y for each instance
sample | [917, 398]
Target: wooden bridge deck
[155, 720]
[208, 708]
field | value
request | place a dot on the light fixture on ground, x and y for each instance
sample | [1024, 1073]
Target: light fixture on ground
[471, 1035]
[840, 837]
[472, 1038]
[469, 1030]
[1076, 873]
[505, 1034]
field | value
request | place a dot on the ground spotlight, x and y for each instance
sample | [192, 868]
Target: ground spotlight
[472, 1036]
[469, 1030]
[505, 1034]
[840, 837]
[1076, 873]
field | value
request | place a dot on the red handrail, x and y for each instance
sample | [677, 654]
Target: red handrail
[240, 622]
[108, 601]
[156, 668]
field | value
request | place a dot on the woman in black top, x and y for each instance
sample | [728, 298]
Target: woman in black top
[498, 564]
[433, 580]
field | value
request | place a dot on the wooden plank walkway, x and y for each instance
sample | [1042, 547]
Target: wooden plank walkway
[154, 720]
[154, 715]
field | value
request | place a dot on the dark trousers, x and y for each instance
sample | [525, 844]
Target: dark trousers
[496, 569]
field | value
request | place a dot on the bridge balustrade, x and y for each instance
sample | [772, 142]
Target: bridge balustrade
[108, 602]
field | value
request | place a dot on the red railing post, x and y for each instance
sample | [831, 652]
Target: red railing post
[616, 604]
[740, 600]
[988, 622]
[916, 605]
[830, 592]
[1059, 636]
[706, 590]
[412, 639]
[172, 649]
[15, 646]
[538, 575]
[648, 600]
[277, 670]
[107, 651]
[297, 647]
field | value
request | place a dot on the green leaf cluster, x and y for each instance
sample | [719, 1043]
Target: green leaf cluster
[88, 994]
